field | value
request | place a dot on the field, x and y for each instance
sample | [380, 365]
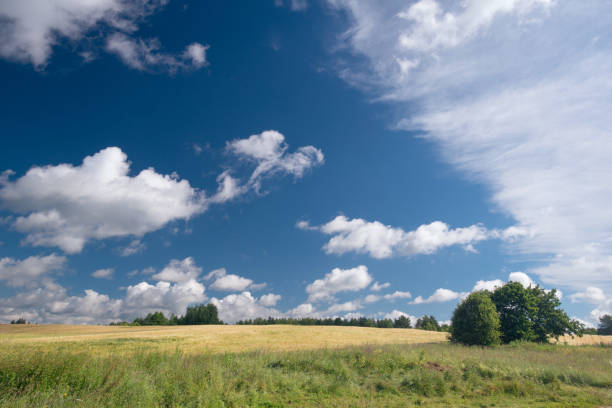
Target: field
[276, 366]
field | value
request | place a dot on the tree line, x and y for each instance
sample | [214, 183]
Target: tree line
[402, 322]
[198, 314]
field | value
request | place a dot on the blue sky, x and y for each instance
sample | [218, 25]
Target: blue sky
[301, 158]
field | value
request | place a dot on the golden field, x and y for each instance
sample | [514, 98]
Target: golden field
[214, 339]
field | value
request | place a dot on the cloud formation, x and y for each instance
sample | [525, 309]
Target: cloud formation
[384, 241]
[244, 306]
[338, 280]
[512, 102]
[67, 206]
[268, 151]
[29, 30]
[29, 271]
[231, 283]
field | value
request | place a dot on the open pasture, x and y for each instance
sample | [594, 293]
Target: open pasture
[209, 339]
[296, 366]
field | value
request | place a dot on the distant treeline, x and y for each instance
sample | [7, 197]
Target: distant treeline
[402, 322]
[199, 314]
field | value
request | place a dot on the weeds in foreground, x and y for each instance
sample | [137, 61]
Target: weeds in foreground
[430, 375]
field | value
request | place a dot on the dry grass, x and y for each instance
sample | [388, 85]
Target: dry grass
[215, 339]
[586, 340]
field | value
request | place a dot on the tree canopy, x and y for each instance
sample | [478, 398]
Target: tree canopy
[605, 325]
[475, 321]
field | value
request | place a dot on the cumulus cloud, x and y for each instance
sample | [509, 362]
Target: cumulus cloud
[372, 298]
[270, 299]
[303, 310]
[179, 271]
[384, 241]
[29, 271]
[229, 282]
[522, 278]
[268, 151]
[338, 280]
[379, 286]
[512, 102]
[243, 306]
[590, 294]
[50, 302]
[439, 296]
[106, 273]
[29, 30]
[67, 206]
[487, 285]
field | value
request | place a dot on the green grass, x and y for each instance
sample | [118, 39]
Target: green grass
[408, 375]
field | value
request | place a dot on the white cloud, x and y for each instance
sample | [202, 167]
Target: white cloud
[514, 103]
[29, 271]
[379, 286]
[67, 206]
[29, 30]
[522, 278]
[433, 28]
[50, 303]
[383, 241]
[439, 296]
[590, 294]
[270, 299]
[372, 298]
[179, 271]
[398, 295]
[106, 273]
[268, 151]
[488, 285]
[145, 55]
[229, 282]
[303, 310]
[339, 280]
[242, 306]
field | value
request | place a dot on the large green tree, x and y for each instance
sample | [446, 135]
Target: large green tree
[605, 325]
[475, 321]
[531, 314]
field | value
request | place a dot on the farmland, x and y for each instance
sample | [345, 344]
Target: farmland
[274, 366]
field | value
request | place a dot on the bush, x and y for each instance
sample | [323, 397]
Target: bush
[475, 321]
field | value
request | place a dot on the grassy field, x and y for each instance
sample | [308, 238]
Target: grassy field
[276, 366]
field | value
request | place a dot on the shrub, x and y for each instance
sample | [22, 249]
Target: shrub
[475, 321]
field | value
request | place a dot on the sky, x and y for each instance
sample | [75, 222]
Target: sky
[302, 158]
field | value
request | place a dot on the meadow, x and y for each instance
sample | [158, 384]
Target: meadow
[301, 366]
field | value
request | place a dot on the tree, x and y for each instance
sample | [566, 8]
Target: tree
[605, 325]
[21, 320]
[531, 314]
[427, 323]
[475, 321]
[402, 322]
[202, 314]
[515, 306]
